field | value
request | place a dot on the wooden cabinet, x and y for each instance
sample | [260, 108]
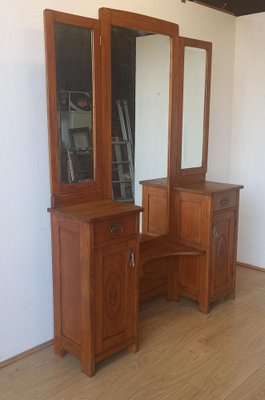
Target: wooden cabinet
[204, 217]
[95, 269]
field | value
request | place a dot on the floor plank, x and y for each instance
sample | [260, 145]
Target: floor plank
[253, 388]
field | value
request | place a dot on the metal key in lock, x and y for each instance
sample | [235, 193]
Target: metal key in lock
[131, 259]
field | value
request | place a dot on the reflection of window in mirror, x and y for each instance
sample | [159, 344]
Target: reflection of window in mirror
[140, 101]
[193, 107]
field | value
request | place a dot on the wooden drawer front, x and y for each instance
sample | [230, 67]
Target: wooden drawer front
[224, 200]
[115, 228]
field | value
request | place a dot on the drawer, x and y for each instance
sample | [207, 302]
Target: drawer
[114, 228]
[224, 200]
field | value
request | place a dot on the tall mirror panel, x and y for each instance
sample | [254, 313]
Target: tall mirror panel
[74, 89]
[152, 109]
[140, 110]
[193, 107]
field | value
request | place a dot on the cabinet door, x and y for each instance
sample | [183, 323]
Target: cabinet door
[223, 253]
[116, 296]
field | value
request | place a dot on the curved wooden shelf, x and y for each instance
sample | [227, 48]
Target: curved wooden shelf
[152, 248]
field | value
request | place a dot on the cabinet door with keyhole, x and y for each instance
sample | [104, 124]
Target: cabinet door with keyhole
[223, 252]
[116, 297]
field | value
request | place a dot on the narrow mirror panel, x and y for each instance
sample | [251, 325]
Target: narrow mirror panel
[74, 103]
[193, 107]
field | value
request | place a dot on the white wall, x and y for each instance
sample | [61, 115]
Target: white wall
[25, 254]
[248, 136]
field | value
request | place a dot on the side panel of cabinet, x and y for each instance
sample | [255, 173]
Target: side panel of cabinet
[116, 297]
[66, 279]
[155, 215]
[223, 253]
[69, 244]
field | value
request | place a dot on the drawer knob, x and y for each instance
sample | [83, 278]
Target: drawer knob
[225, 201]
[116, 228]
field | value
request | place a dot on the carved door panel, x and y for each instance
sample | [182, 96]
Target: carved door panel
[116, 296]
[223, 252]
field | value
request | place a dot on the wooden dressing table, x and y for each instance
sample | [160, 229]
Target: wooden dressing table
[101, 120]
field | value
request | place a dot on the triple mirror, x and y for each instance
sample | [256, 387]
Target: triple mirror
[151, 118]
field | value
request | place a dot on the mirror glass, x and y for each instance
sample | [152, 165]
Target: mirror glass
[140, 110]
[193, 107]
[74, 103]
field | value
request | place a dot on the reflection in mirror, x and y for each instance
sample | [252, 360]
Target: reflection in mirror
[152, 109]
[140, 109]
[193, 107]
[74, 102]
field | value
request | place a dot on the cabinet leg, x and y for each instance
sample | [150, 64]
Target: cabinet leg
[231, 295]
[172, 297]
[60, 352]
[204, 307]
[88, 368]
[57, 347]
[168, 296]
[87, 358]
[134, 347]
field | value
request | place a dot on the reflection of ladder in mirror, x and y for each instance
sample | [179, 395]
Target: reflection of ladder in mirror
[122, 153]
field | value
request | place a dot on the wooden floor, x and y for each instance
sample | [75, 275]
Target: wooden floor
[183, 355]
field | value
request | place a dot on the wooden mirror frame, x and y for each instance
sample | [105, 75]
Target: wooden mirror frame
[67, 194]
[124, 19]
[195, 174]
